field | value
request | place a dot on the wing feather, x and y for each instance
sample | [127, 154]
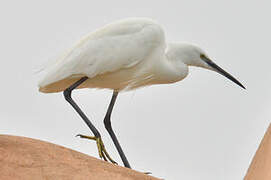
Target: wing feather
[122, 44]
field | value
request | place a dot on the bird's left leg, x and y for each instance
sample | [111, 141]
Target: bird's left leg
[97, 137]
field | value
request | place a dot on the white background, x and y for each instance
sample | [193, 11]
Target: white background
[204, 127]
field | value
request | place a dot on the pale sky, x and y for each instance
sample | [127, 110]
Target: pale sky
[202, 128]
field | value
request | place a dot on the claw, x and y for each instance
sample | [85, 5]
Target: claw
[101, 149]
[86, 137]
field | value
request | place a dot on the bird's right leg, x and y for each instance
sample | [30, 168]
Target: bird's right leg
[97, 136]
[108, 126]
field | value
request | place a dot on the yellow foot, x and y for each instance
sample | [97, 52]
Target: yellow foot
[101, 149]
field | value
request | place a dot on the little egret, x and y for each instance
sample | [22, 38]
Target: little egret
[121, 56]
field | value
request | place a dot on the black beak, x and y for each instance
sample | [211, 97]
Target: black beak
[221, 71]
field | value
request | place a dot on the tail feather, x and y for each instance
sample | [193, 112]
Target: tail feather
[59, 85]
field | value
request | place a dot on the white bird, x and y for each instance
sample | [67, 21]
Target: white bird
[121, 56]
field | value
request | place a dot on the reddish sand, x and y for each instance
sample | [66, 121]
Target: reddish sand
[29, 159]
[260, 167]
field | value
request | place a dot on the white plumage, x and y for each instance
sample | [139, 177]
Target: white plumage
[123, 55]
[115, 56]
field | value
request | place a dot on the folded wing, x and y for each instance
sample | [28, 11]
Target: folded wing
[122, 44]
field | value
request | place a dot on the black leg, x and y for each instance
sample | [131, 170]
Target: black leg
[67, 94]
[108, 126]
[101, 149]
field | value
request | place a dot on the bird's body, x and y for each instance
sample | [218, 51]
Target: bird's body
[124, 55]
[120, 56]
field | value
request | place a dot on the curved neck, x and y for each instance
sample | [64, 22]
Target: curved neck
[170, 70]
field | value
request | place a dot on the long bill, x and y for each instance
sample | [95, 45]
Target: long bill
[221, 71]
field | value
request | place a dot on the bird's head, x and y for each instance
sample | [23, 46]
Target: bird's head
[192, 55]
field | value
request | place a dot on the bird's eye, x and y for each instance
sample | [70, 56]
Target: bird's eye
[202, 56]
